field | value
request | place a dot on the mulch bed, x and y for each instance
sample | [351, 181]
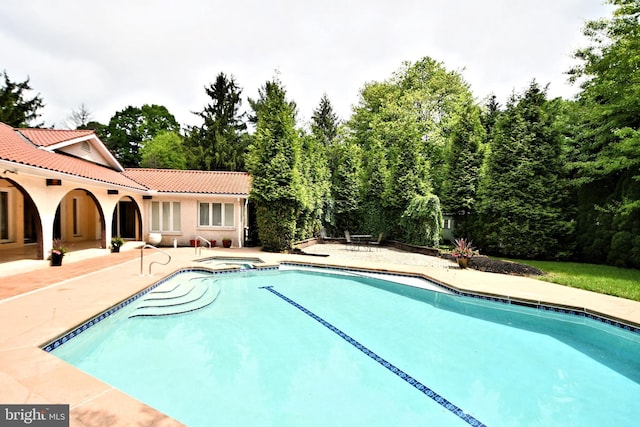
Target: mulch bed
[483, 263]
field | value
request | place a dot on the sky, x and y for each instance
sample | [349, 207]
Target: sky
[112, 54]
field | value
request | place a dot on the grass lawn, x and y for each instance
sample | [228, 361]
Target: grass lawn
[621, 282]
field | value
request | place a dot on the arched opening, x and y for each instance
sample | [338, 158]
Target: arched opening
[20, 224]
[79, 221]
[127, 220]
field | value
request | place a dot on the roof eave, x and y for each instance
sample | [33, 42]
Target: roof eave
[39, 171]
[98, 144]
[185, 193]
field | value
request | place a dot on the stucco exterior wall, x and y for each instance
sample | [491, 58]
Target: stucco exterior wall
[86, 152]
[95, 208]
[189, 227]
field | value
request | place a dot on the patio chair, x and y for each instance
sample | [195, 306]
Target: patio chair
[347, 239]
[378, 242]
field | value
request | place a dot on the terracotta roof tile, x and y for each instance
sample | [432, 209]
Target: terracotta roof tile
[28, 147]
[191, 181]
[16, 149]
[47, 137]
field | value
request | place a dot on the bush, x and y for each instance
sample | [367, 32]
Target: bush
[621, 252]
[276, 227]
[422, 221]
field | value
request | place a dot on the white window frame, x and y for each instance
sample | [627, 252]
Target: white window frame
[172, 224]
[226, 221]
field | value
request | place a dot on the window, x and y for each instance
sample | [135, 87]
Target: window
[228, 215]
[216, 214]
[165, 216]
[4, 215]
[448, 223]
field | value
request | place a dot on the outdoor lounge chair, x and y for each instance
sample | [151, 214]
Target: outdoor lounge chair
[347, 239]
[378, 242]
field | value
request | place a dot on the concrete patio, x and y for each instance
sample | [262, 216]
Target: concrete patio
[39, 303]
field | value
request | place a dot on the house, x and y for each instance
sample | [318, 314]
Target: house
[65, 184]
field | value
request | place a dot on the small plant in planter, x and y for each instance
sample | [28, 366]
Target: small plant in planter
[463, 252]
[226, 242]
[57, 253]
[116, 243]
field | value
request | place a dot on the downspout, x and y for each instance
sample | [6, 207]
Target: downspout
[245, 229]
[240, 229]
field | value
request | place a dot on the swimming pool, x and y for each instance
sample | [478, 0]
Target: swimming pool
[308, 348]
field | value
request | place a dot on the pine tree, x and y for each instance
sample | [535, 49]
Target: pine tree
[463, 158]
[15, 110]
[521, 192]
[324, 122]
[315, 158]
[220, 143]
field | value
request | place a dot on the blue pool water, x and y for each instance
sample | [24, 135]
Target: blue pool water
[277, 348]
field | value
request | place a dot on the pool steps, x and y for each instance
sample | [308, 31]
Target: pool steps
[182, 298]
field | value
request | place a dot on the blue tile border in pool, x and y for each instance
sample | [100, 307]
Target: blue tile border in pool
[566, 310]
[57, 342]
[468, 418]
[574, 311]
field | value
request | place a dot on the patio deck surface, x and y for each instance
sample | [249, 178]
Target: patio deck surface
[39, 303]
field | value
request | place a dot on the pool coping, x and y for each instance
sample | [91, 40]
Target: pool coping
[30, 375]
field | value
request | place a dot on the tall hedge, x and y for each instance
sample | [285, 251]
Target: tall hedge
[273, 160]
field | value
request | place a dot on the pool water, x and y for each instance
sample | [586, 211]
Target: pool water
[302, 348]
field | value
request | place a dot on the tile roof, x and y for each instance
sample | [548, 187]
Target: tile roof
[47, 137]
[30, 147]
[15, 148]
[191, 181]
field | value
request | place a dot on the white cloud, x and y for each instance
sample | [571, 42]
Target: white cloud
[109, 55]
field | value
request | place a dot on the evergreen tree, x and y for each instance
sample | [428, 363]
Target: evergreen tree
[273, 160]
[489, 116]
[522, 189]
[463, 158]
[15, 109]
[316, 149]
[316, 187]
[345, 187]
[367, 130]
[324, 122]
[221, 142]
